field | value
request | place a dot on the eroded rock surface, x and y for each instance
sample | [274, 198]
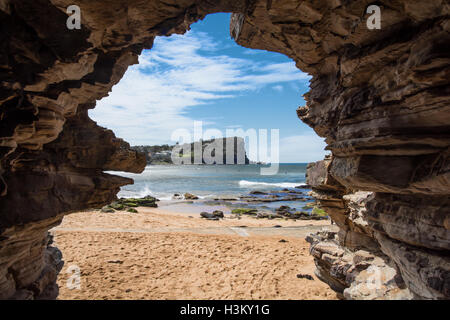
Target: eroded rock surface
[380, 97]
[389, 246]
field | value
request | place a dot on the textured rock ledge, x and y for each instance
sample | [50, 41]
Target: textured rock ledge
[29, 264]
[388, 246]
[379, 97]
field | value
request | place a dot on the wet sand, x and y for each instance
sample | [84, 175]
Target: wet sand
[159, 254]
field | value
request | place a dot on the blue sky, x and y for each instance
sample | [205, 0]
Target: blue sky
[204, 75]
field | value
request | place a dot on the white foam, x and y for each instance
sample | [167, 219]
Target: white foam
[139, 193]
[247, 184]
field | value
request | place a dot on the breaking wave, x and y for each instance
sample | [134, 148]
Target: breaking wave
[249, 184]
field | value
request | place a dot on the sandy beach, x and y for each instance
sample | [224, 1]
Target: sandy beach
[158, 254]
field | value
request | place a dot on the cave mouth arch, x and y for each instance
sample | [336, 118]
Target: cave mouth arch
[377, 96]
[184, 76]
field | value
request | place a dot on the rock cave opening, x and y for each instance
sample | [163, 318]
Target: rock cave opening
[203, 76]
[379, 97]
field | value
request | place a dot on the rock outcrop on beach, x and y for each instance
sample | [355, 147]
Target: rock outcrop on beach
[130, 204]
[379, 97]
[190, 196]
[282, 212]
[215, 215]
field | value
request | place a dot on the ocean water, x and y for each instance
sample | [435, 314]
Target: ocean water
[162, 181]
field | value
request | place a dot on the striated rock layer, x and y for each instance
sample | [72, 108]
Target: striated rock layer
[389, 246]
[380, 97]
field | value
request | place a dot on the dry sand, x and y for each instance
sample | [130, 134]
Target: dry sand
[158, 254]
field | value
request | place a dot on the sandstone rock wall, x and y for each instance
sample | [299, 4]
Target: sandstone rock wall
[380, 97]
[390, 246]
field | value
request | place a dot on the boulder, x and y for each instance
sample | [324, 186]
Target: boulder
[190, 196]
[215, 215]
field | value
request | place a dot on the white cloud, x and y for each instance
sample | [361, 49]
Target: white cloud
[278, 88]
[302, 148]
[181, 71]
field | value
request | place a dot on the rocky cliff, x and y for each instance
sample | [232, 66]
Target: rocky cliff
[229, 150]
[380, 97]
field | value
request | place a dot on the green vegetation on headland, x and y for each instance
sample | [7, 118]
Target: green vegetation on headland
[162, 154]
